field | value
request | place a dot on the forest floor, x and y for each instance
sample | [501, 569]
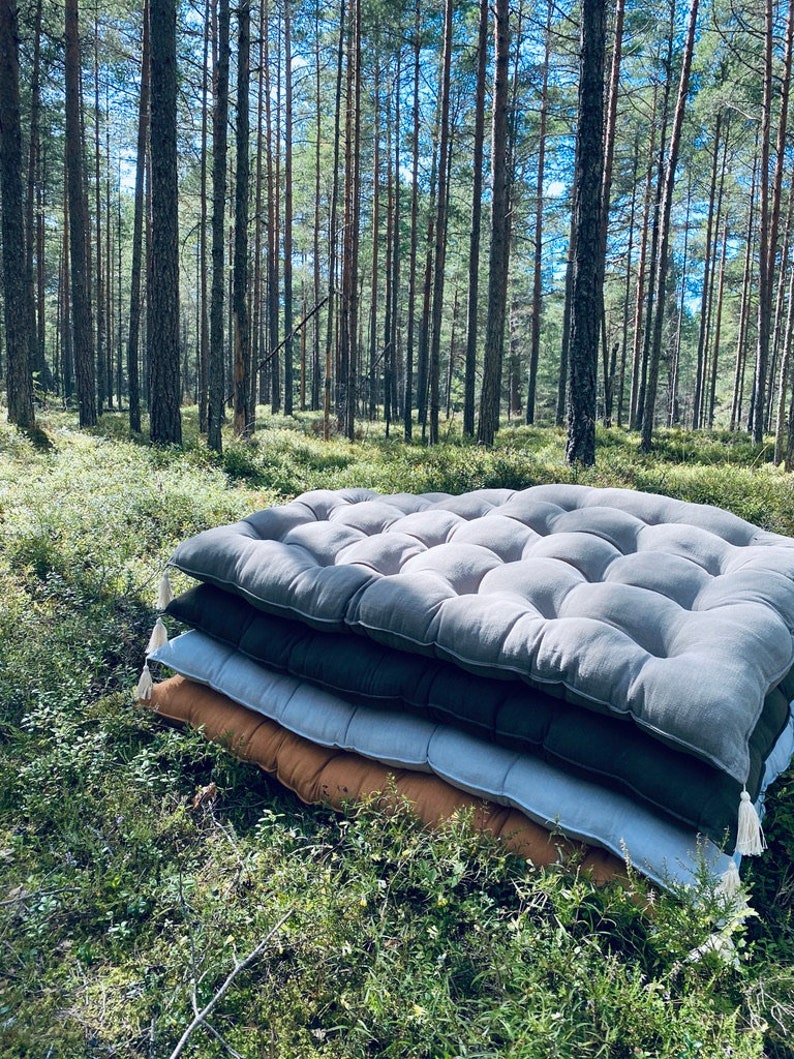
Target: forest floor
[124, 909]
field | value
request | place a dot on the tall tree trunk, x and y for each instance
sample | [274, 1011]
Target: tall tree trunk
[703, 336]
[390, 373]
[348, 363]
[165, 419]
[565, 338]
[101, 354]
[769, 209]
[781, 285]
[220, 118]
[242, 339]
[642, 272]
[288, 120]
[273, 164]
[673, 409]
[717, 331]
[785, 373]
[375, 270]
[85, 371]
[664, 241]
[537, 268]
[109, 284]
[586, 298]
[606, 192]
[204, 323]
[133, 335]
[18, 306]
[331, 343]
[316, 375]
[441, 224]
[67, 340]
[34, 214]
[764, 280]
[499, 251]
[627, 289]
[744, 303]
[412, 262]
[653, 294]
[259, 374]
[472, 308]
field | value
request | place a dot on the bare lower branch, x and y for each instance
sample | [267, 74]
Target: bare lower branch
[237, 969]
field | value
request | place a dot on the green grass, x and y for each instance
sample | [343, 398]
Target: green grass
[117, 898]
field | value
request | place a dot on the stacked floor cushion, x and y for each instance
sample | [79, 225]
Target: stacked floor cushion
[326, 775]
[612, 663]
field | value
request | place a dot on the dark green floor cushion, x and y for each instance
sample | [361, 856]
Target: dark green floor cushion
[509, 713]
[580, 809]
[679, 616]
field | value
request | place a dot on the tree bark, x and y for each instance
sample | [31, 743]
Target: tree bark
[133, 336]
[664, 241]
[472, 308]
[703, 336]
[412, 261]
[219, 140]
[785, 372]
[606, 192]
[316, 375]
[85, 370]
[18, 305]
[272, 155]
[627, 289]
[586, 300]
[717, 331]
[537, 268]
[348, 339]
[101, 327]
[333, 235]
[499, 251]
[243, 413]
[374, 288]
[766, 275]
[642, 271]
[287, 271]
[165, 419]
[764, 235]
[203, 293]
[34, 217]
[441, 224]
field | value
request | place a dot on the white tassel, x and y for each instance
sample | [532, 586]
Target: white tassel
[719, 943]
[166, 593]
[143, 692]
[730, 882]
[159, 637]
[749, 835]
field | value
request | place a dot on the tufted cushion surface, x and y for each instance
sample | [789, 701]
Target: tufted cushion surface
[679, 616]
[510, 713]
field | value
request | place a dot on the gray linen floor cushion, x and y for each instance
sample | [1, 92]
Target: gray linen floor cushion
[508, 712]
[679, 616]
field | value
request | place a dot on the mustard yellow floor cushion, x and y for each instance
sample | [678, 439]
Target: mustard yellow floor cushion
[322, 775]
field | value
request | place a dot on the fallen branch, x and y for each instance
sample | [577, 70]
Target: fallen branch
[251, 958]
[28, 895]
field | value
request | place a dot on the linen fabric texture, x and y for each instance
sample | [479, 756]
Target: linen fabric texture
[676, 616]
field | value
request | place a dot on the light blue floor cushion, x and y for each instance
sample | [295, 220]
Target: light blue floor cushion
[581, 809]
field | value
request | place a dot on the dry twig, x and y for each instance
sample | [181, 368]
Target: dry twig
[201, 1016]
